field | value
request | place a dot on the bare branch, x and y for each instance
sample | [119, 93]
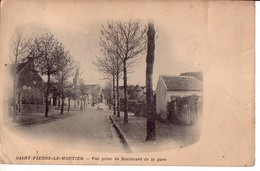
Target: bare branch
[19, 46]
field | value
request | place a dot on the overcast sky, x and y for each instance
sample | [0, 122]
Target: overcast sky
[179, 46]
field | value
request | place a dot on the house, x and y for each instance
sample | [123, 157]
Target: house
[30, 87]
[169, 87]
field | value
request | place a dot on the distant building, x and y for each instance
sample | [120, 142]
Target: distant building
[95, 93]
[175, 86]
[138, 93]
[134, 92]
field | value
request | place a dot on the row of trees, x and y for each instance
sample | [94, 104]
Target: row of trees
[121, 44]
[50, 58]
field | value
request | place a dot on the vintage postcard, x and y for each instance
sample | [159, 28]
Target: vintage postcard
[127, 82]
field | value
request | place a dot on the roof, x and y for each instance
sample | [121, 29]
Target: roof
[20, 66]
[137, 88]
[182, 83]
[25, 72]
[198, 75]
[92, 86]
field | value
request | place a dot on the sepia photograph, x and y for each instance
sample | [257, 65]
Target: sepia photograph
[127, 83]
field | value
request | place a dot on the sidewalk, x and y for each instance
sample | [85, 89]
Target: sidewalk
[37, 118]
[167, 135]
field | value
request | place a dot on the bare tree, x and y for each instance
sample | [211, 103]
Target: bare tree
[118, 76]
[126, 40]
[151, 128]
[47, 53]
[68, 69]
[19, 51]
[111, 66]
[108, 66]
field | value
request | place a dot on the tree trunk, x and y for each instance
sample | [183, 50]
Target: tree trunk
[81, 106]
[109, 100]
[75, 100]
[117, 91]
[55, 101]
[151, 126]
[125, 94]
[68, 105]
[19, 102]
[114, 95]
[62, 106]
[59, 101]
[62, 98]
[46, 96]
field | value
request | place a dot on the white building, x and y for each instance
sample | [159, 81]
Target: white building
[175, 86]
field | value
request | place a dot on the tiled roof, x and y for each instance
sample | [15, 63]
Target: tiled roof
[182, 83]
[198, 75]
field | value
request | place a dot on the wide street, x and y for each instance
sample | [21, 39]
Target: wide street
[90, 129]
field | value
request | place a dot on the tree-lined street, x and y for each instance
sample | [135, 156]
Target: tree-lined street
[95, 121]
